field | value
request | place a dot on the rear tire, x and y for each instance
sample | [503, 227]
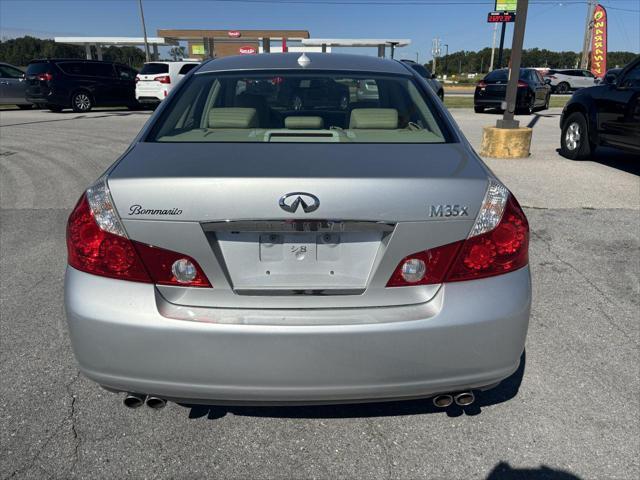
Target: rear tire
[478, 109]
[574, 139]
[547, 102]
[25, 107]
[81, 102]
[563, 87]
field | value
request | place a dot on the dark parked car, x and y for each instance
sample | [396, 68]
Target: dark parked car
[610, 77]
[428, 76]
[607, 114]
[80, 84]
[533, 91]
[320, 93]
[12, 86]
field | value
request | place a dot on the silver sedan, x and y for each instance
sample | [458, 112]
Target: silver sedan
[247, 250]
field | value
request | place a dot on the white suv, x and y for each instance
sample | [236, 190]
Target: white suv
[156, 79]
[564, 80]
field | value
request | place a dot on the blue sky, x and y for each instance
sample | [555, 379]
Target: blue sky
[554, 25]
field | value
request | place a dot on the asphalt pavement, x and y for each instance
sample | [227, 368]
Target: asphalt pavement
[570, 412]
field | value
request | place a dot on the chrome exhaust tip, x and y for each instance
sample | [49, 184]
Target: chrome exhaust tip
[134, 400]
[156, 402]
[464, 399]
[442, 401]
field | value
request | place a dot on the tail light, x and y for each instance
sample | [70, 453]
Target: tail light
[163, 79]
[482, 84]
[522, 84]
[137, 78]
[498, 243]
[98, 244]
[45, 77]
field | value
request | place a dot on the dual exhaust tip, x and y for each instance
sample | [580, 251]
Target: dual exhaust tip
[136, 400]
[462, 399]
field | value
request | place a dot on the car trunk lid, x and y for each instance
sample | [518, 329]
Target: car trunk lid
[222, 204]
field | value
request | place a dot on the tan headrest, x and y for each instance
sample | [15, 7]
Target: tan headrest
[304, 122]
[233, 117]
[374, 118]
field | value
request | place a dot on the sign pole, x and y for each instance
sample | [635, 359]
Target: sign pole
[514, 71]
[501, 49]
[144, 32]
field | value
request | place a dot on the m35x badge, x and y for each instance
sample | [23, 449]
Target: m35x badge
[449, 210]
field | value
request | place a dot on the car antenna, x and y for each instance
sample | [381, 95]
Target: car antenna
[303, 60]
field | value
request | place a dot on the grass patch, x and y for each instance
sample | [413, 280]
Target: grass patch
[458, 101]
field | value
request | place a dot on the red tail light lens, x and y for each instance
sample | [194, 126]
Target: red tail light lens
[163, 79]
[45, 77]
[482, 84]
[159, 263]
[501, 250]
[437, 260]
[94, 250]
[137, 79]
[522, 84]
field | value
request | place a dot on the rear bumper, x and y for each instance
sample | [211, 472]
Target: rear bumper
[472, 335]
[151, 95]
[52, 98]
[491, 101]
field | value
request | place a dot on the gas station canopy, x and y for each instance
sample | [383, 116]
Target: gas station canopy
[381, 43]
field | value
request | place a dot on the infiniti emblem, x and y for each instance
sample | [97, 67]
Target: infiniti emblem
[291, 201]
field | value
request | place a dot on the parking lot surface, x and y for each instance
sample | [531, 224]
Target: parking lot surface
[570, 412]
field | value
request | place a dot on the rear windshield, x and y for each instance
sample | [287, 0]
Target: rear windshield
[39, 67]
[300, 107]
[503, 75]
[187, 68]
[154, 68]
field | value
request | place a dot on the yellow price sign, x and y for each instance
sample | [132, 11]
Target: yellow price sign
[506, 5]
[197, 49]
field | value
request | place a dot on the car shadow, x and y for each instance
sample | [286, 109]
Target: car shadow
[614, 158]
[503, 471]
[506, 390]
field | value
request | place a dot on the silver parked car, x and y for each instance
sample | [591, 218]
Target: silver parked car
[12, 86]
[248, 250]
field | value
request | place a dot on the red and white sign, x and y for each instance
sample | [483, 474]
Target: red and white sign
[247, 50]
[234, 33]
[599, 42]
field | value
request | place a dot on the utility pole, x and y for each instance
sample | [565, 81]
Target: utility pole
[588, 27]
[144, 32]
[514, 71]
[435, 52]
[446, 54]
[493, 46]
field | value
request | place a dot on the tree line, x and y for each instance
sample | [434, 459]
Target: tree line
[466, 61]
[20, 51]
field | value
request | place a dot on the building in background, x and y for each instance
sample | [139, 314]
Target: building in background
[223, 43]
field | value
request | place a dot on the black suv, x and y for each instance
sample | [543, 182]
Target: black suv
[80, 84]
[607, 114]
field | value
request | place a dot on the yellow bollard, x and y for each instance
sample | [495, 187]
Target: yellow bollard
[506, 142]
